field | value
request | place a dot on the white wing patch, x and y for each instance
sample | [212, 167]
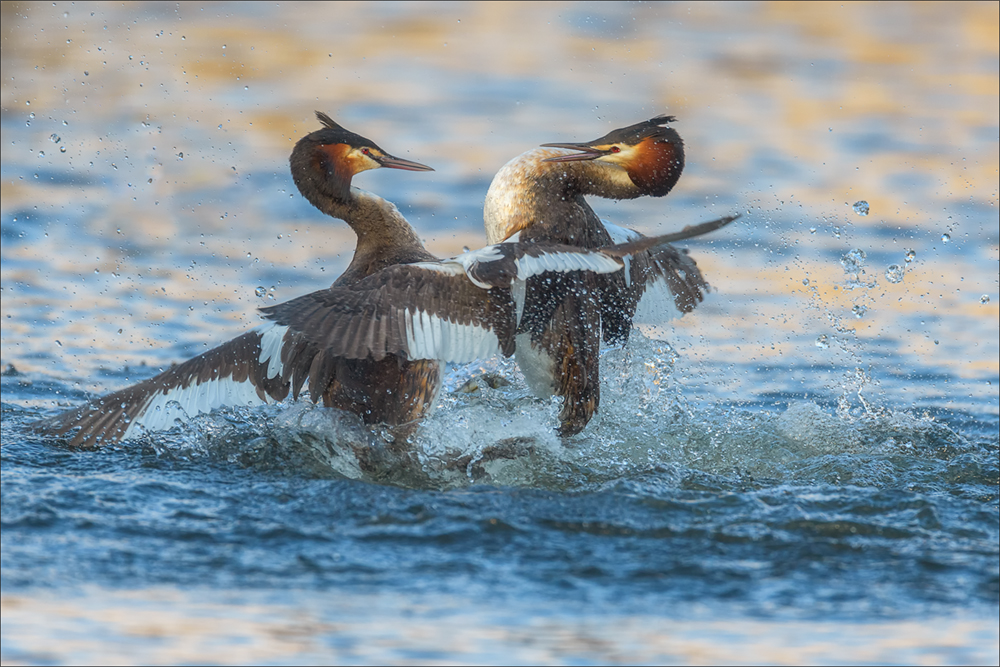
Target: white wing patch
[272, 337]
[465, 262]
[164, 408]
[656, 307]
[538, 367]
[622, 235]
[431, 337]
[517, 290]
[566, 261]
[446, 267]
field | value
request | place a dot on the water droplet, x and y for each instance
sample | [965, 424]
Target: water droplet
[54, 138]
[945, 238]
[180, 156]
[41, 153]
[859, 311]
[812, 230]
[823, 342]
[910, 255]
[260, 291]
[984, 299]
[853, 260]
[894, 273]
[861, 207]
[805, 281]
[62, 149]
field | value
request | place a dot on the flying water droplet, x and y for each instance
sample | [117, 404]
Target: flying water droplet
[260, 291]
[54, 138]
[945, 238]
[805, 281]
[984, 299]
[861, 207]
[910, 255]
[859, 311]
[853, 260]
[823, 342]
[894, 273]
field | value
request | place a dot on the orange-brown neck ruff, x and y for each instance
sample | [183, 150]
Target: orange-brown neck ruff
[656, 167]
[332, 160]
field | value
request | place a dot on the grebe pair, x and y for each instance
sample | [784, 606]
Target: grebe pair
[372, 343]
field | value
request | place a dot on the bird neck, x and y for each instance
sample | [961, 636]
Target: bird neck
[385, 237]
[528, 192]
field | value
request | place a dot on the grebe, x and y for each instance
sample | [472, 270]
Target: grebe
[372, 342]
[390, 390]
[539, 196]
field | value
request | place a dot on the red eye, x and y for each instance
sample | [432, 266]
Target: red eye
[366, 151]
[615, 149]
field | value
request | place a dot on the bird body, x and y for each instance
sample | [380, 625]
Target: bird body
[540, 197]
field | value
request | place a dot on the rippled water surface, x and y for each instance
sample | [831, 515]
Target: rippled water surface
[808, 471]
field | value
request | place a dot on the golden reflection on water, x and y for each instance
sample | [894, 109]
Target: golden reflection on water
[788, 110]
[170, 626]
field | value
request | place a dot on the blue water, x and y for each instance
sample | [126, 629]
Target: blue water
[804, 513]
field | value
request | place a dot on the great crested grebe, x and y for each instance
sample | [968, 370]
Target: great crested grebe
[539, 196]
[369, 344]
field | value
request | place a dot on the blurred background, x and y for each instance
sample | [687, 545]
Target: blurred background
[147, 209]
[146, 150]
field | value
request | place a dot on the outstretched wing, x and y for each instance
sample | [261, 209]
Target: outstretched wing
[454, 310]
[240, 372]
[661, 281]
